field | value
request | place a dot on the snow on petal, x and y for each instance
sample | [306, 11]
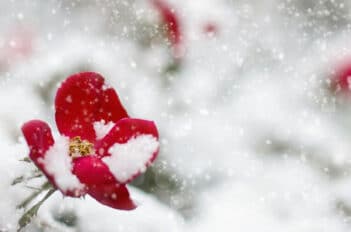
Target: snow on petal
[131, 158]
[101, 128]
[58, 164]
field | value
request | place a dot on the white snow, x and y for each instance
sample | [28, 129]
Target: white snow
[248, 124]
[129, 158]
[58, 163]
[101, 128]
[69, 99]
[95, 217]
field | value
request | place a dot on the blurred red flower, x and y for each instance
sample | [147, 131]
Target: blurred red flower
[172, 23]
[342, 80]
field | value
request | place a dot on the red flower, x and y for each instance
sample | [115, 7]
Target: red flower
[171, 20]
[17, 44]
[342, 81]
[210, 28]
[100, 148]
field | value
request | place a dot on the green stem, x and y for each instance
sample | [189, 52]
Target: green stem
[22, 178]
[44, 187]
[29, 214]
[26, 159]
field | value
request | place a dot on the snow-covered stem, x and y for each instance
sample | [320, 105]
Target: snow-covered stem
[44, 187]
[28, 215]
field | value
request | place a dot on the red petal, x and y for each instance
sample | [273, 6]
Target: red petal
[81, 100]
[121, 133]
[111, 108]
[113, 195]
[124, 130]
[39, 139]
[101, 184]
[91, 171]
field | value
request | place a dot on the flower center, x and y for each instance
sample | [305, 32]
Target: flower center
[79, 148]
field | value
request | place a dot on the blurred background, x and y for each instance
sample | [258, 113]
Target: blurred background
[251, 98]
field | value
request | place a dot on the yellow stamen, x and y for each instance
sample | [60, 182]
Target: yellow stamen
[78, 147]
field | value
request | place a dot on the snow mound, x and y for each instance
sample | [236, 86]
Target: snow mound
[132, 157]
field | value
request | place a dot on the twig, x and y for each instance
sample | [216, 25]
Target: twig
[28, 215]
[23, 178]
[44, 187]
[26, 159]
